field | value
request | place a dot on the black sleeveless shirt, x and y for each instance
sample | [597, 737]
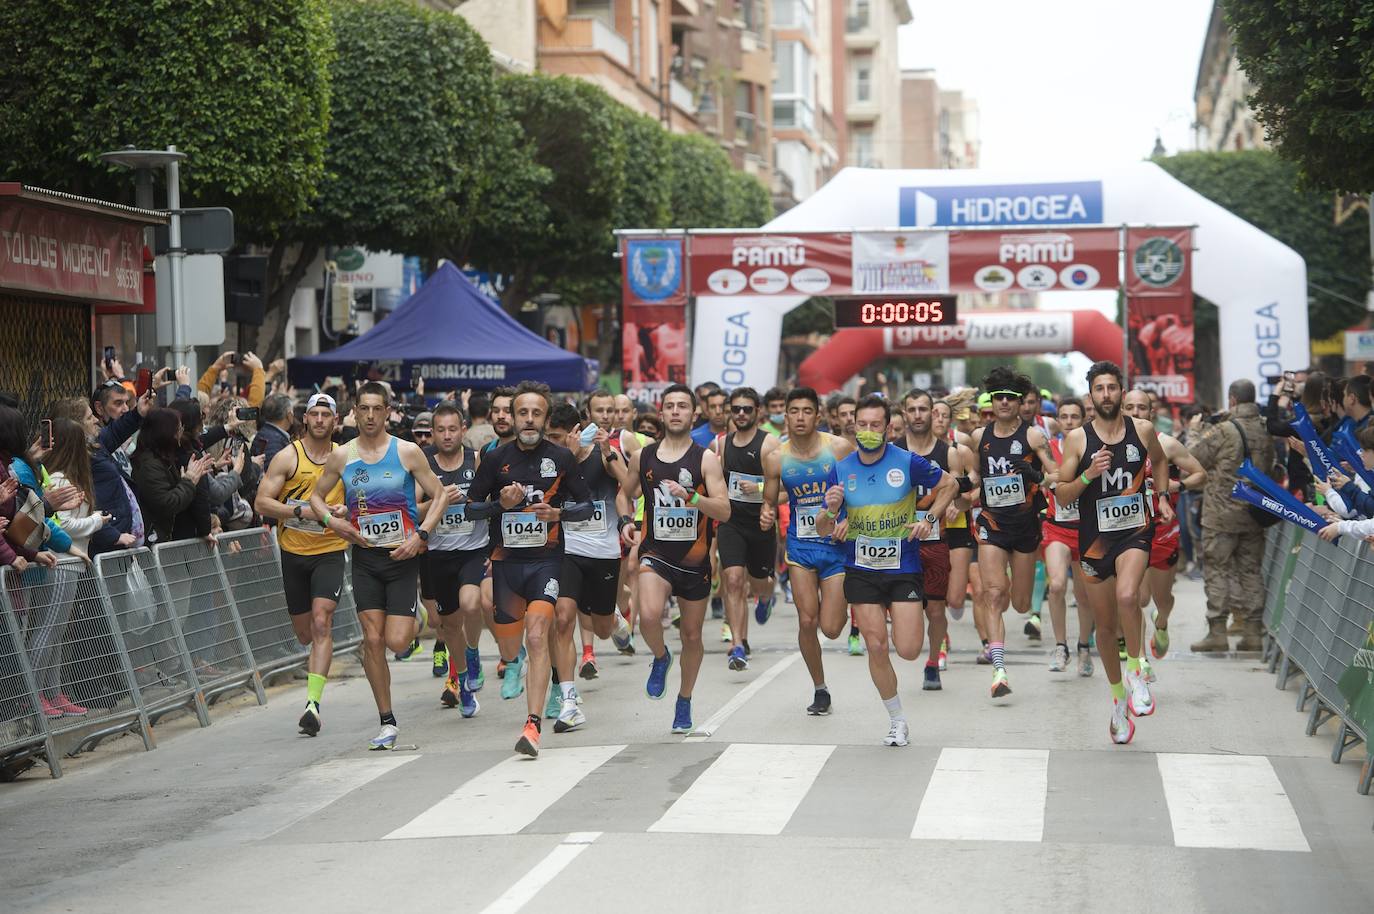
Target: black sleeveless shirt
[999, 457]
[744, 461]
[1113, 507]
[674, 532]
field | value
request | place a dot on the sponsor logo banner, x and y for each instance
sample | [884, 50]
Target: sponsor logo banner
[78, 256]
[989, 332]
[654, 355]
[1064, 203]
[895, 263]
[1159, 300]
[653, 275]
[772, 264]
[1034, 261]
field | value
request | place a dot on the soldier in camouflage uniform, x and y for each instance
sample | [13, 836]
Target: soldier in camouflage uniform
[1232, 543]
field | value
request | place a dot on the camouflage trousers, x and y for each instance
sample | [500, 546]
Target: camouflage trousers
[1232, 578]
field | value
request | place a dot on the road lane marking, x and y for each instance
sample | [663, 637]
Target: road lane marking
[749, 790]
[713, 723]
[985, 795]
[508, 796]
[542, 873]
[1229, 801]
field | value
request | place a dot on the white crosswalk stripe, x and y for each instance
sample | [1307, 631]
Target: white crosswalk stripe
[1213, 801]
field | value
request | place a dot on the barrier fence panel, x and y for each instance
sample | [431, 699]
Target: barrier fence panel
[23, 727]
[146, 631]
[251, 566]
[1350, 668]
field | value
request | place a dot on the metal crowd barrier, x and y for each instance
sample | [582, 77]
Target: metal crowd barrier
[92, 650]
[1319, 614]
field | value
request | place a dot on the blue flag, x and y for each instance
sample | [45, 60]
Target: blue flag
[1348, 449]
[1285, 507]
[1319, 458]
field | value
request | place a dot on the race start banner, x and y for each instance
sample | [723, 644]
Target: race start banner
[654, 356]
[1159, 305]
[771, 264]
[1034, 261]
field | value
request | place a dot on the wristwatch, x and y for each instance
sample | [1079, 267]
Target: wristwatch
[298, 513]
[930, 517]
[423, 534]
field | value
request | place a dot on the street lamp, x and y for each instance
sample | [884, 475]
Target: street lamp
[144, 161]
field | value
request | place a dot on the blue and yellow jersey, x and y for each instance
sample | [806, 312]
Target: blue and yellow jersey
[806, 480]
[881, 500]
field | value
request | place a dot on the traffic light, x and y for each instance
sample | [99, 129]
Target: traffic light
[245, 288]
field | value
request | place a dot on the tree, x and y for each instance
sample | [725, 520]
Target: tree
[701, 181]
[1262, 189]
[1312, 64]
[751, 203]
[240, 86]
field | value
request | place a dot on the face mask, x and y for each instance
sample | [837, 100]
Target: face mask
[588, 434]
[775, 418]
[869, 441]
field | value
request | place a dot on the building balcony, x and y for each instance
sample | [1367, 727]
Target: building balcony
[854, 24]
[586, 34]
[794, 114]
[750, 135]
[861, 41]
[859, 111]
[681, 97]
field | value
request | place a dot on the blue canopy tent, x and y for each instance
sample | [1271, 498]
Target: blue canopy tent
[459, 338]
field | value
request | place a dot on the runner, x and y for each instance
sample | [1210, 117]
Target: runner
[1032, 411]
[312, 558]
[802, 471]
[921, 439]
[536, 488]
[1060, 543]
[452, 569]
[681, 481]
[844, 416]
[958, 520]
[590, 579]
[1164, 551]
[380, 475]
[878, 485]
[1013, 463]
[1104, 469]
[747, 548]
[716, 416]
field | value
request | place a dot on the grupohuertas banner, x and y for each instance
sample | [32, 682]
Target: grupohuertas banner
[1159, 302]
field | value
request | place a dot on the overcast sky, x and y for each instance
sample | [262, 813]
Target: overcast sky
[1056, 81]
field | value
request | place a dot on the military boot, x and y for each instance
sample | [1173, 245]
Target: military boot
[1215, 639]
[1253, 637]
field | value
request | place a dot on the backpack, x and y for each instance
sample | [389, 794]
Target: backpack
[1257, 514]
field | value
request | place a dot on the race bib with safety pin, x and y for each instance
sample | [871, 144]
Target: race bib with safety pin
[1067, 514]
[806, 522]
[934, 534]
[675, 525]
[738, 494]
[1121, 512]
[594, 525]
[382, 530]
[523, 530]
[308, 524]
[878, 554]
[455, 522]
[1004, 491]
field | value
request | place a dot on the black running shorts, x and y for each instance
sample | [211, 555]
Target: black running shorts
[515, 585]
[1104, 568]
[862, 585]
[753, 549]
[307, 578]
[593, 584]
[444, 574]
[379, 583]
[686, 583]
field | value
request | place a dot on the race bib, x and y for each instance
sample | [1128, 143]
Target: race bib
[806, 522]
[455, 522]
[1121, 512]
[675, 525]
[1004, 491]
[1066, 514]
[738, 494]
[523, 530]
[308, 524]
[878, 554]
[382, 530]
[934, 535]
[594, 525]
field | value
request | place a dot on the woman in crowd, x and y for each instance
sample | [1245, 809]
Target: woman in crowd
[167, 493]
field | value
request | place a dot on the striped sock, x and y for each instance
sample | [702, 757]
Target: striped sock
[995, 650]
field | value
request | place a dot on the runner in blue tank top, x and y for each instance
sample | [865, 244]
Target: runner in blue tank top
[882, 545]
[802, 471]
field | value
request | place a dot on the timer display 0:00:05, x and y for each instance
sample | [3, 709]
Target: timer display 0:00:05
[865, 312]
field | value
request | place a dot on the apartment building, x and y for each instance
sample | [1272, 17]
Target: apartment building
[1224, 119]
[807, 149]
[873, 103]
[939, 126]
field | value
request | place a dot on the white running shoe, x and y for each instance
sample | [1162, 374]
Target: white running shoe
[1060, 662]
[386, 739]
[1122, 728]
[1085, 662]
[1138, 697]
[571, 716]
[897, 734]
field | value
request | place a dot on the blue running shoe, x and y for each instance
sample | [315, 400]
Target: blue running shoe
[763, 610]
[470, 705]
[931, 683]
[658, 674]
[440, 669]
[475, 677]
[513, 683]
[682, 717]
[737, 661]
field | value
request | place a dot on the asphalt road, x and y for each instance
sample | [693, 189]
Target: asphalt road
[1220, 804]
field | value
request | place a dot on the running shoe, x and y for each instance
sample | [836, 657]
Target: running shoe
[931, 682]
[658, 674]
[68, 707]
[310, 720]
[415, 649]
[1000, 687]
[985, 656]
[440, 668]
[898, 734]
[820, 704]
[1138, 698]
[1060, 661]
[1032, 628]
[449, 697]
[386, 739]
[1146, 670]
[554, 705]
[512, 684]
[682, 715]
[623, 637]
[856, 645]
[717, 608]
[725, 635]
[475, 677]
[1122, 728]
[468, 701]
[763, 609]
[737, 661]
[1085, 662]
[588, 668]
[1159, 643]
[528, 743]
[943, 661]
[571, 716]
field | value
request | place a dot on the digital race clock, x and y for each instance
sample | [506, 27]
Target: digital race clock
[895, 311]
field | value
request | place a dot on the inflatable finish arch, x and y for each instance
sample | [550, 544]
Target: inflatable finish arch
[1258, 284]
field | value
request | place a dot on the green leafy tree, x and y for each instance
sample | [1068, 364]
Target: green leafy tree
[701, 182]
[240, 86]
[751, 203]
[1312, 64]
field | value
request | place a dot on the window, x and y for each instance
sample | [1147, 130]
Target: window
[794, 67]
[863, 79]
[750, 12]
[858, 16]
[863, 149]
[597, 9]
[792, 14]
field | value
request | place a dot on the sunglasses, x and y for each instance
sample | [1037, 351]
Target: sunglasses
[742, 410]
[1006, 396]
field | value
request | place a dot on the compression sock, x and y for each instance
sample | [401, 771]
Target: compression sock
[995, 650]
[1038, 589]
[314, 687]
[567, 689]
[1133, 665]
[388, 718]
[1119, 691]
[894, 707]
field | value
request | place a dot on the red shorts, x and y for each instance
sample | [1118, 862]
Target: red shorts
[1058, 533]
[935, 568]
[1164, 547]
